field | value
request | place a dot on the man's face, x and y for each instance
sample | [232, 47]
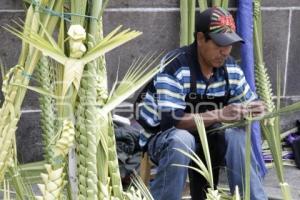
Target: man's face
[210, 53]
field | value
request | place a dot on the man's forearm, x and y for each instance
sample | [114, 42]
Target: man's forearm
[187, 121]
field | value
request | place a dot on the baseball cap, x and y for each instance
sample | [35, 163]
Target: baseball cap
[219, 25]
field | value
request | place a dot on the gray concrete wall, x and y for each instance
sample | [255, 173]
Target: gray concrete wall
[159, 21]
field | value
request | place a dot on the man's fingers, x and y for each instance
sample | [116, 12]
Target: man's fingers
[256, 107]
[238, 111]
[259, 109]
[255, 104]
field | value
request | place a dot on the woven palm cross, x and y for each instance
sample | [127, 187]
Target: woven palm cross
[74, 65]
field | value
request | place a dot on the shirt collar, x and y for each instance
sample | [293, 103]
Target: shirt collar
[193, 55]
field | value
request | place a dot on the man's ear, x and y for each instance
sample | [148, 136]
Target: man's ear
[200, 38]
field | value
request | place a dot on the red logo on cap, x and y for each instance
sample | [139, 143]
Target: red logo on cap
[227, 21]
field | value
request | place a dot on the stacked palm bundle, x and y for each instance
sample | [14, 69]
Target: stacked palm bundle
[78, 134]
[14, 95]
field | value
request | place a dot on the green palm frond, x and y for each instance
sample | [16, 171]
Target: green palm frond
[224, 4]
[203, 138]
[20, 184]
[25, 46]
[247, 161]
[39, 90]
[34, 166]
[212, 194]
[73, 68]
[184, 22]
[269, 126]
[202, 5]
[50, 49]
[194, 157]
[6, 190]
[2, 69]
[236, 194]
[216, 3]
[204, 170]
[78, 7]
[40, 43]
[139, 185]
[110, 42]
[139, 73]
[187, 21]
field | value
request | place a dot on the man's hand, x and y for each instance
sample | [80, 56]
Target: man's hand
[233, 112]
[238, 111]
[256, 108]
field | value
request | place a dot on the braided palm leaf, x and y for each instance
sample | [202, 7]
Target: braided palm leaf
[96, 35]
[104, 191]
[113, 165]
[264, 87]
[87, 126]
[102, 93]
[263, 84]
[48, 116]
[66, 140]
[102, 160]
[54, 180]
[134, 193]
[212, 194]
[9, 77]
[9, 120]
[86, 130]
[7, 146]
[53, 183]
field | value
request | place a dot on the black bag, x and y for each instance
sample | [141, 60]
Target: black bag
[128, 149]
[296, 151]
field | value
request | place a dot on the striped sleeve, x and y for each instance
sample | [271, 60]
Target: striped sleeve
[170, 96]
[240, 89]
[169, 92]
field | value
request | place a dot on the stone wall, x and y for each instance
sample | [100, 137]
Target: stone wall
[159, 21]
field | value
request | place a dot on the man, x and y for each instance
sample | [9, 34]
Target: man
[202, 80]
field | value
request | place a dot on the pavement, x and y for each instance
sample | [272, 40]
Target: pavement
[292, 177]
[271, 185]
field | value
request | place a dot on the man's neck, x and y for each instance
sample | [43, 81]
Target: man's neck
[206, 70]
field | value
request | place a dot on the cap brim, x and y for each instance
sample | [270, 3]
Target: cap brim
[225, 39]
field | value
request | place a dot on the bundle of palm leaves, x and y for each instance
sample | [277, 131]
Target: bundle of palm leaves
[78, 136]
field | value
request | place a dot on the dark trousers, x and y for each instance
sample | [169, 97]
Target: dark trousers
[217, 147]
